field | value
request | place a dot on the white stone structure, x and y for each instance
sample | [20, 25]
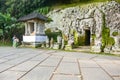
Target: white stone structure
[34, 29]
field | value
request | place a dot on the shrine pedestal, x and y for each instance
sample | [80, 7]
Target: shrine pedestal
[34, 41]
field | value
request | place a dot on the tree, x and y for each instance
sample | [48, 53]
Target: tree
[5, 22]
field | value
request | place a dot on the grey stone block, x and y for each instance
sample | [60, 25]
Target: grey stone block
[66, 77]
[51, 61]
[10, 75]
[116, 78]
[88, 63]
[94, 74]
[68, 68]
[26, 66]
[4, 67]
[39, 73]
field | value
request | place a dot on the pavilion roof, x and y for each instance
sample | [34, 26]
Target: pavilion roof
[31, 16]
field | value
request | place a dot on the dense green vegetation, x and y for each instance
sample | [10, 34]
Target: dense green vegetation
[19, 8]
[107, 41]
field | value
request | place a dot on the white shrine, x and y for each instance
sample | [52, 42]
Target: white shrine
[34, 29]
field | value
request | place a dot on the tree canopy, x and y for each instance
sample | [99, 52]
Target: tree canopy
[19, 8]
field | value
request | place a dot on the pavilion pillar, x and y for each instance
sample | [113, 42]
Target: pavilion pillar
[26, 28]
[35, 27]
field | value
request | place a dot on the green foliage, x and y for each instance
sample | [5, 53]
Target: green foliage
[93, 39]
[5, 22]
[106, 39]
[18, 8]
[81, 40]
[75, 38]
[43, 10]
[65, 38]
[53, 35]
[115, 33]
[9, 27]
[111, 41]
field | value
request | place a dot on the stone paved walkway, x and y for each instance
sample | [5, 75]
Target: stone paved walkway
[38, 64]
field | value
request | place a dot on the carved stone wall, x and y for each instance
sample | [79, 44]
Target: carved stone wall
[90, 17]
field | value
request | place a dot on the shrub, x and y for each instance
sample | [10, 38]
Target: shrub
[51, 34]
[81, 40]
[75, 38]
[115, 34]
[106, 39]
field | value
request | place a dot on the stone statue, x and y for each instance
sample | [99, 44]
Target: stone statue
[51, 43]
[70, 42]
[59, 39]
[63, 44]
[47, 42]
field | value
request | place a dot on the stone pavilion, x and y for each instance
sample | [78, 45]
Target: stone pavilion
[34, 29]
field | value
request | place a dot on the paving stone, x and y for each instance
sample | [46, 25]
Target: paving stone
[4, 50]
[24, 59]
[11, 57]
[69, 59]
[3, 60]
[4, 67]
[88, 63]
[104, 61]
[116, 78]
[66, 77]
[104, 57]
[10, 75]
[15, 61]
[20, 59]
[2, 55]
[94, 74]
[40, 57]
[26, 66]
[112, 69]
[39, 73]
[117, 61]
[68, 68]
[51, 61]
[77, 55]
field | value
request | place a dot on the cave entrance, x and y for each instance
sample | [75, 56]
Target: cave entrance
[87, 37]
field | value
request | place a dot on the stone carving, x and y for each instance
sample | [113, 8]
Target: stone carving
[59, 40]
[47, 42]
[51, 43]
[80, 18]
[63, 44]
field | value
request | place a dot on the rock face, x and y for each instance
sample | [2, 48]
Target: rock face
[89, 17]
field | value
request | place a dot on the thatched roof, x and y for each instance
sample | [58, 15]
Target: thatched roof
[33, 16]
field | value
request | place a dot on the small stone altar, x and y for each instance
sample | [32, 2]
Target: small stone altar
[34, 29]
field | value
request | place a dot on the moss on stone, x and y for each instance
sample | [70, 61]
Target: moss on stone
[53, 35]
[106, 39]
[115, 33]
[81, 40]
[75, 37]
[93, 39]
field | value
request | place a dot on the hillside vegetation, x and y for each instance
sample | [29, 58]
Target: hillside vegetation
[11, 10]
[19, 8]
